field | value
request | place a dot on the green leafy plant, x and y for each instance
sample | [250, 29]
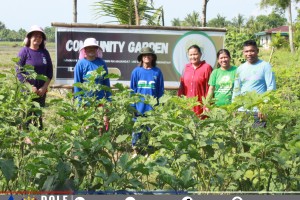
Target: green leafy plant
[224, 152]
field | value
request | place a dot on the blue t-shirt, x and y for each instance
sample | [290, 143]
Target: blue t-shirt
[257, 77]
[147, 82]
[254, 77]
[82, 70]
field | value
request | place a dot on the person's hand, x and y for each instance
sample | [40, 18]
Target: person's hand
[34, 89]
[205, 109]
[261, 116]
[106, 125]
[27, 140]
[41, 92]
[106, 122]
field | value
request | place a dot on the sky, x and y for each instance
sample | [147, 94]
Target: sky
[17, 14]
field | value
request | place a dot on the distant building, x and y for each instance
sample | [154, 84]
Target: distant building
[265, 37]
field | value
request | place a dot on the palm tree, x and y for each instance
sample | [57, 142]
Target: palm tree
[176, 22]
[285, 5]
[219, 21]
[192, 20]
[131, 12]
[238, 21]
[253, 26]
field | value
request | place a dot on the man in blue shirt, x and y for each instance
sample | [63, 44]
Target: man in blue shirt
[253, 75]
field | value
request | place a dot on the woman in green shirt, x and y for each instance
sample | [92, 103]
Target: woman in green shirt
[222, 79]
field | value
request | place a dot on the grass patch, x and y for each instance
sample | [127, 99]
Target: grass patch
[9, 50]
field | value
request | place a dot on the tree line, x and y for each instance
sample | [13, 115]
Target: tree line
[138, 12]
[146, 13]
[239, 23]
[18, 36]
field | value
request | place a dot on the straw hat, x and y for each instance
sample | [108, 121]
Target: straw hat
[36, 28]
[146, 50]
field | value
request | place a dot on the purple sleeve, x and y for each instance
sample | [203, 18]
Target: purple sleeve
[22, 56]
[49, 72]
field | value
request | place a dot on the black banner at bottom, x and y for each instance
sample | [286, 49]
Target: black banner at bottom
[154, 197]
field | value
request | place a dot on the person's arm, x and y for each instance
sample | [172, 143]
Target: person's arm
[210, 93]
[208, 73]
[161, 86]
[106, 82]
[133, 87]
[133, 81]
[237, 86]
[270, 78]
[49, 75]
[212, 85]
[41, 91]
[22, 61]
[78, 76]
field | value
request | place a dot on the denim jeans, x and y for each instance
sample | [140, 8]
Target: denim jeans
[138, 135]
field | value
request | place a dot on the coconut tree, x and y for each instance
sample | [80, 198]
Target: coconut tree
[285, 5]
[253, 26]
[176, 22]
[238, 21]
[131, 12]
[192, 19]
[220, 21]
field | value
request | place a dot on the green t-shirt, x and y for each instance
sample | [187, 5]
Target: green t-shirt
[223, 81]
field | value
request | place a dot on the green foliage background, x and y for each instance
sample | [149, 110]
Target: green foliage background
[222, 153]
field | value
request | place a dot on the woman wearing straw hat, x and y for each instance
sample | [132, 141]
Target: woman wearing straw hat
[90, 59]
[35, 54]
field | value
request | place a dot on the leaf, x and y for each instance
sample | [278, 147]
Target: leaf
[238, 174]
[114, 177]
[8, 169]
[249, 174]
[121, 138]
[2, 75]
[50, 183]
[41, 77]
[15, 60]
[123, 160]
[64, 170]
[280, 126]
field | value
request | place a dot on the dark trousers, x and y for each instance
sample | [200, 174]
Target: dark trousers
[258, 122]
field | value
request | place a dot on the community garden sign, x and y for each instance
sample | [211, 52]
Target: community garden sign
[121, 46]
